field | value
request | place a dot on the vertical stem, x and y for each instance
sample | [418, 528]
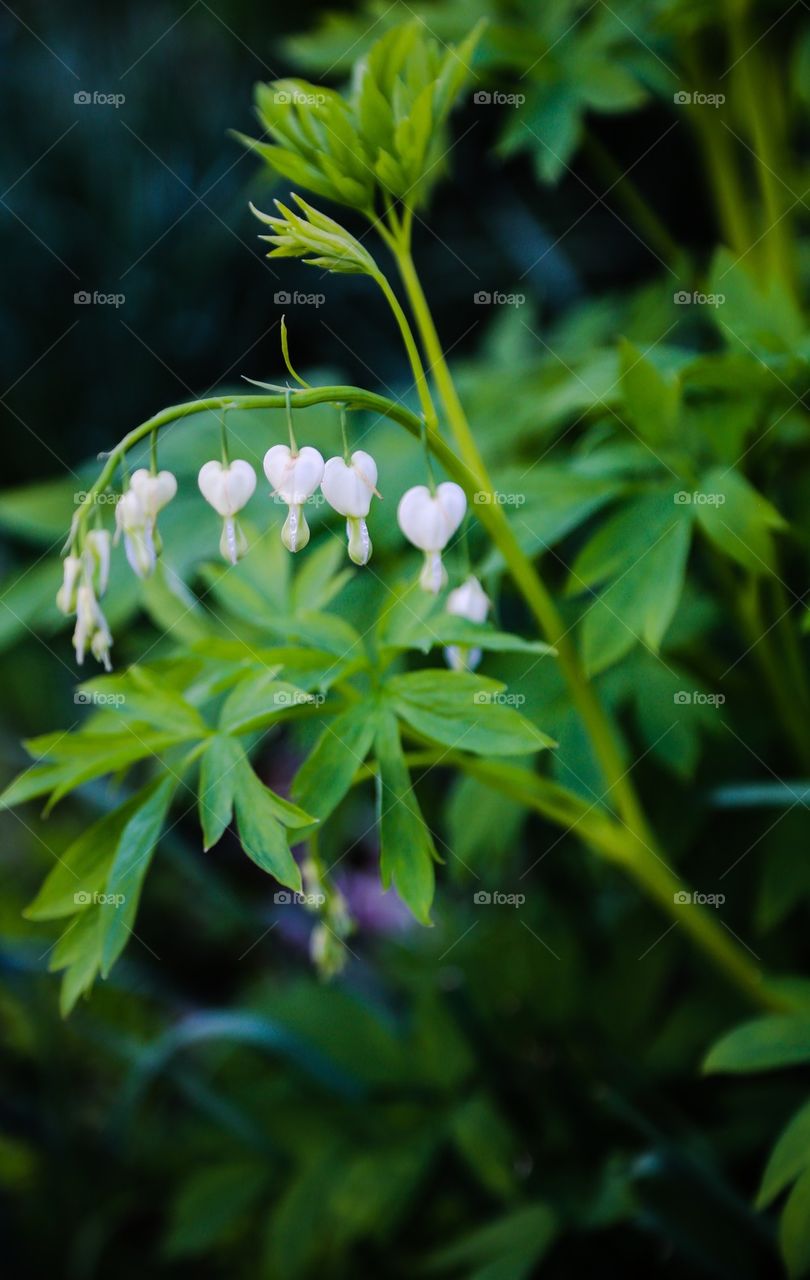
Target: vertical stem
[522, 570]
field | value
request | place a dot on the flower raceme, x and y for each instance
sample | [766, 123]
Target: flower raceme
[348, 488]
[429, 521]
[228, 489]
[294, 476]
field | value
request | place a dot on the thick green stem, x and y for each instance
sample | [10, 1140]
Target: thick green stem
[520, 566]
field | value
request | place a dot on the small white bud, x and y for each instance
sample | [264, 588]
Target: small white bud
[97, 558]
[66, 595]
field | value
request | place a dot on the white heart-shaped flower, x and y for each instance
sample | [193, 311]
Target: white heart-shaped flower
[470, 600]
[430, 520]
[229, 488]
[349, 489]
[293, 476]
[154, 491]
[130, 515]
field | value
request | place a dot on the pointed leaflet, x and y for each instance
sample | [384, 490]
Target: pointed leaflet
[326, 775]
[262, 835]
[739, 520]
[406, 845]
[82, 870]
[463, 711]
[789, 1158]
[130, 865]
[217, 786]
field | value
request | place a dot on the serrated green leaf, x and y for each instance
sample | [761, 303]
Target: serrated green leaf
[263, 836]
[326, 775]
[406, 845]
[217, 786]
[463, 711]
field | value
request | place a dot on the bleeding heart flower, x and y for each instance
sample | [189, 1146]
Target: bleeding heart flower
[294, 477]
[470, 600]
[91, 628]
[349, 488]
[97, 559]
[66, 595]
[228, 489]
[429, 522]
[136, 514]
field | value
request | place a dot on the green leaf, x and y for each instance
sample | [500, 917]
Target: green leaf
[789, 1158]
[326, 775]
[210, 1206]
[257, 701]
[463, 711]
[406, 845]
[82, 869]
[129, 867]
[651, 398]
[447, 629]
[262, 834]
[794, 1228]
[78, 951]
[640, 604]
[217, 786]
[506, 1249]
[739, 520]
[753, 317]
[762, 1045]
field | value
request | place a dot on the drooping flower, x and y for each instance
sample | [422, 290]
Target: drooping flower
[228, 489]
[91, 628]
[66, 595]
[97, 559]
[136, 514]
[429, 521]
[294, 476]
[471, 601]
[349, 488]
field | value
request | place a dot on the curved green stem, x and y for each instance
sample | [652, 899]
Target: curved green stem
[415, 359]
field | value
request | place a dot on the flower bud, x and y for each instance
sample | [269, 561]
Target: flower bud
[138, 531]
[66, 595]
[97, 559]
[91, 628]
[155, 491]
